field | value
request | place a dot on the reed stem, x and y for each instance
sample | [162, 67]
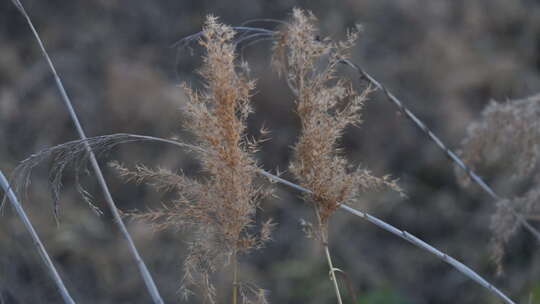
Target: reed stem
[36, 240]
[235, 280]
[451, 154]
[332, 273]
[323, 229]
[147, 277]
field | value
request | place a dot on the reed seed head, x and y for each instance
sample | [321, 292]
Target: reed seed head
[326, 104]
[505, 142]
[221, 208]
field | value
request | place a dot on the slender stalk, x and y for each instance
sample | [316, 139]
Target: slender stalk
[324, 238]
[468, 272]
[332, 273]
[235, 280]
[35, 239]
[423, 245]
[149, 282]
[453, 156]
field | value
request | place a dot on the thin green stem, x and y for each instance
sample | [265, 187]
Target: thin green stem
[323, 230]
[235, 280]
[332, 272]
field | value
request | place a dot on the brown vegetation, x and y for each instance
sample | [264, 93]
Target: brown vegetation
[429, 50]
[221, 208]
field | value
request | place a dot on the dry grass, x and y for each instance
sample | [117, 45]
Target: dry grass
[326, 105]
[506, 141]
[219, 208]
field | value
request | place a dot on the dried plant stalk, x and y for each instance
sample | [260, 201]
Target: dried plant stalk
[464, 269]
[465, 172]
[147, 277]
[10, 195]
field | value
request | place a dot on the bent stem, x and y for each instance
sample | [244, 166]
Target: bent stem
[464, 269]
[457, 265]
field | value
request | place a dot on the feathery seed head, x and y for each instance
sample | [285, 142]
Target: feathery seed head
[505, 142]
[326, 105]
[220, 209]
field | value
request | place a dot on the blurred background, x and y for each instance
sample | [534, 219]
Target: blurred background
[445, 59]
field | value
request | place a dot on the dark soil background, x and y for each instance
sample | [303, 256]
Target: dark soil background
[444, 59]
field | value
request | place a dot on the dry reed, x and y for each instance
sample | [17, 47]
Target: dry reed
[326, 105]
[16, 205]
[505, 142]
[143, 270]
[221, 208]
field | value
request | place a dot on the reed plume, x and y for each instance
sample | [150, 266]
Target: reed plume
[220, 209]
[505, 142]
[326, 104]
